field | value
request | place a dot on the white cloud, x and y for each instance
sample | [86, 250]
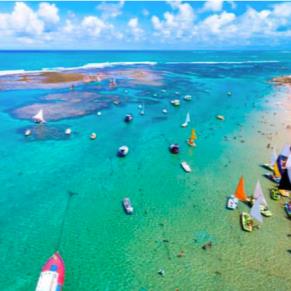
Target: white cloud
[110, 10]
[93, 25]
[48, 13]
[213, 5]
[136, 31]
[177, 23]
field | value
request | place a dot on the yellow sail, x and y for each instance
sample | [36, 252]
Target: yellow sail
[276, 171]
[193, 135]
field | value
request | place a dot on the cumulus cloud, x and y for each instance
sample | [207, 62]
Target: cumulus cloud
[136, 31]
[213, 5]
[177, 23]
[49, 13]
[110, 10]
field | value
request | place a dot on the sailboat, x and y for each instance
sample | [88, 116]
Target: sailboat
[276, 175]
[142, 110]
[247, 219]
[38, 118]
[185, 124]
[192, 138]
[258, 192]
[52, 275]
[274, 158]
[285, 182]
[232, 201]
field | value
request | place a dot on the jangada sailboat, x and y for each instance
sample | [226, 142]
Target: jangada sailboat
[285, 182]
[247, 221]
[185, 124]
[276, 175]
[52, 276]
[270, 166]
[258, 192]
[38, 117]
[240, 194]
[192, 138]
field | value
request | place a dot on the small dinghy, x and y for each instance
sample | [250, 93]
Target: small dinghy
[128, 118]
[52, 276]
[174, 148]
[232, 202]
[229, 93]
[186, 167]
[165, 111]
[93, 135]
[187, 97]
[175, 102]
[275, 194]
[68, 131]
[99, 113]
[246, 222]
[185, 124]
[27, 132]
[38, 118]
[127, 206]
[122, 151]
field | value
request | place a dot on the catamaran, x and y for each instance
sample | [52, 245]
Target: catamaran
[38, 117]
[240, 194]
[52, 276]
[192, 138]
[185, 124]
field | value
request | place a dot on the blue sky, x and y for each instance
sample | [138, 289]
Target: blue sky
[213, 24]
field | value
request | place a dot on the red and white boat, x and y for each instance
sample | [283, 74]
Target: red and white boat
[52, 275]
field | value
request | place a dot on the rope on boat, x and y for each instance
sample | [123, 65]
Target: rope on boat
[70, 195]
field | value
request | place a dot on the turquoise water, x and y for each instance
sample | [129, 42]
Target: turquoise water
[104, 249]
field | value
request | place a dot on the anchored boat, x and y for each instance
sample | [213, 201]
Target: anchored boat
[127, 206]
[258, 192]
[186, 167]
[122, 151]
[128, 118]
[52, 276]
[174, 148]
[175, 102]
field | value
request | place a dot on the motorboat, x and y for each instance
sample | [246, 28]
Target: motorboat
[128, 118]
[122, 151]
[174, 148]
[68, 131]
[186, 167]
[27, 132]
[52, 275]
[175, 102]
[220, 117]
[165, 111]
[187, 97]
[93, 135]
[127, 205]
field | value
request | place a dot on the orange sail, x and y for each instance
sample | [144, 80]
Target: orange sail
[240, 191]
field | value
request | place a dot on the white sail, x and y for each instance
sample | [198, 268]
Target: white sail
[286, 151]
[39, 116]
[274, 158]
[187, 118]
[259, 193]
[288, 162]
[256, 211]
